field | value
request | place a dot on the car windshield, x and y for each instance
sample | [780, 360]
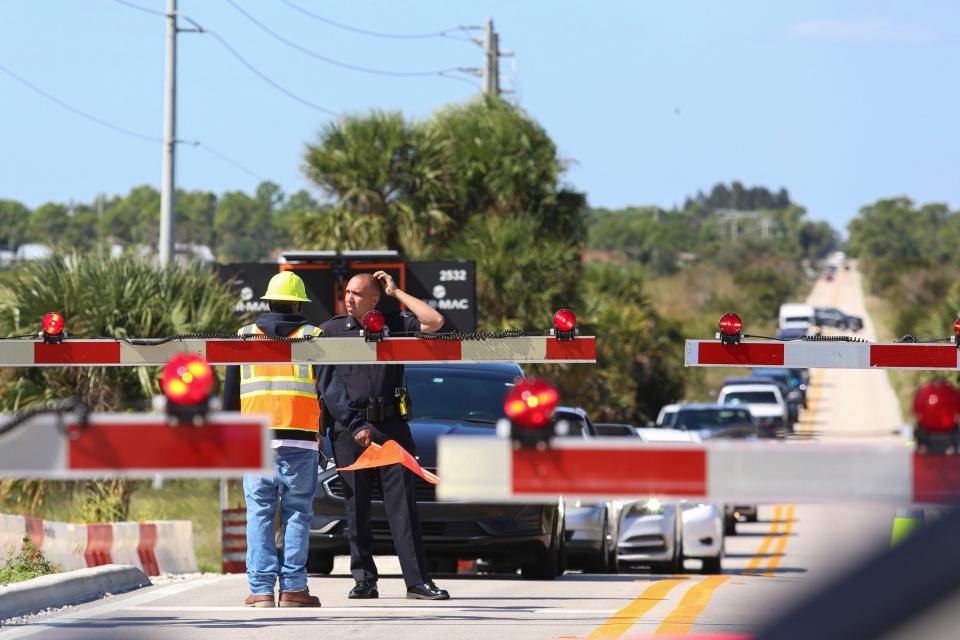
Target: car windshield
[461, 395]
[797, 319]
[751, 397]
[710, 419]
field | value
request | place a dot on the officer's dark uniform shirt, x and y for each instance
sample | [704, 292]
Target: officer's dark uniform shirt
[347, 388]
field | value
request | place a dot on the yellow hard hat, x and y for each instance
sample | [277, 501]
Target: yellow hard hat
[286, 286]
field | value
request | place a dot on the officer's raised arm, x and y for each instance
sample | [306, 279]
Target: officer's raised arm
[430, 319]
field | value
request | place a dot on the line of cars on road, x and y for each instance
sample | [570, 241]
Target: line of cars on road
[538, 540]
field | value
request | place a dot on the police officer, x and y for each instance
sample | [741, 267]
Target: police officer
[367, 403]
[288, 394]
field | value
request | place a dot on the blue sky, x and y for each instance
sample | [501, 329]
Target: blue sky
[841, 103]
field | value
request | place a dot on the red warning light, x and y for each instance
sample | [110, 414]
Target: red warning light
[187, 379]
[730, 324]
[530, 404]
[937, 405]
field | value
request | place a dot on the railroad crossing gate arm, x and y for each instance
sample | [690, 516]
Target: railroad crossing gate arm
[227, 444]
[826, 354]
[491, 468]
[124, 353]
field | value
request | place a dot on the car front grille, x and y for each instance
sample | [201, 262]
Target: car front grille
[643, 544]
[425, 492]
[452, 529]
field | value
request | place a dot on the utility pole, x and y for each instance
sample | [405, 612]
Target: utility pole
[168, 177]
[491, 60]
[490, 73]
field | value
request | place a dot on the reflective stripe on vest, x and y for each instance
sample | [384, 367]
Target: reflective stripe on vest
[286, 392]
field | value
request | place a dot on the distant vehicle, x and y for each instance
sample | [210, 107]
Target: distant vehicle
[791, 396]
[797, 379]
[615, 430]
[833, 317]
[667, 416]
[765, 403]
[659, 534]
[794, 315]
[591, 528]
[711, 420]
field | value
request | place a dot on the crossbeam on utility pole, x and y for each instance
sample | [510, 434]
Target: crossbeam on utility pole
[168, 171]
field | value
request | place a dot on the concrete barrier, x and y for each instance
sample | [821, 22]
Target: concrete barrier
[164, 546]
[64, 544]
[174, 549]
[12, 529]
[70, 587]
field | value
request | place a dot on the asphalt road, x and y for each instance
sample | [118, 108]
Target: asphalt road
[769, 565]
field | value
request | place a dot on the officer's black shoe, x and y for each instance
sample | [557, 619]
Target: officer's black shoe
[364, 590]
[427, 591]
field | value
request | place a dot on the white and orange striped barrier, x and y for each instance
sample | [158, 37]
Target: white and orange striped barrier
[491, 468]
[101, 352]
[159, 547]
[227, 444]
[827, 354]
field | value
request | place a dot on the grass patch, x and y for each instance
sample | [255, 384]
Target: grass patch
[26, 564]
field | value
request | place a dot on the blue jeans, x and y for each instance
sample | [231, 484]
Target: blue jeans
[293, 487]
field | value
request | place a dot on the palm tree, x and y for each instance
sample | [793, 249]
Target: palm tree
[382, 167]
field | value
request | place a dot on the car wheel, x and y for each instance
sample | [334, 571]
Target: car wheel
[551, 562]
[606, 559]
[320, 562]
[711, 565]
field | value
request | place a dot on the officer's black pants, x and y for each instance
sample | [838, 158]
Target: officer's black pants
[399, 500]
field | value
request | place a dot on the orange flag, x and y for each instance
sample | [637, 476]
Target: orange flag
[389, 453]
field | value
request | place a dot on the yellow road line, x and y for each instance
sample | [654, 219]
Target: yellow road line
[767, 541]
[621, 622]
[691, 606]
[781, 544]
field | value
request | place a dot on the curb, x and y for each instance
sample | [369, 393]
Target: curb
[69, 587]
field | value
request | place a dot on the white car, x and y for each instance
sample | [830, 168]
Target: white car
[765, 403]
[799, 316]
[667, 415]
[661, 534]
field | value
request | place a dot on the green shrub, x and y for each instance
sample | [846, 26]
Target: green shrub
[28, 563]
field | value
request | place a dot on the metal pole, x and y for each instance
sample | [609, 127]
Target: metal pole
[168, 178]
[489, 74]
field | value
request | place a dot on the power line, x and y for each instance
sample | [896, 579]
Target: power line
[82, 114]
[119, 129]
[133, 5]
[263, 76]
[444, 33]
[340, 63]
[225, 158]
[236, 54]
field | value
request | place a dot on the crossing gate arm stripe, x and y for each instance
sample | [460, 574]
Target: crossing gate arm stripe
[132, 354]
[810, 472]
[914, 356]
[743, 354]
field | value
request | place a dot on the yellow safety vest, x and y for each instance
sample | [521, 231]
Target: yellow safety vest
[287, 392]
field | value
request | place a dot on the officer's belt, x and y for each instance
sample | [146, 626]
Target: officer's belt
[380, 409]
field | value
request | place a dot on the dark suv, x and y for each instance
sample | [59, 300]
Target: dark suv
[463, 399]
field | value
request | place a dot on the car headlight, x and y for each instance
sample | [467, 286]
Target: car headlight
[649, 508]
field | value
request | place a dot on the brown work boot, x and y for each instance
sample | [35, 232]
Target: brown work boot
[264, 601]
[298, 599]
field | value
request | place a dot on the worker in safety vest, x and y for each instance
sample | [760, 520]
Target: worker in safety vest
[288, 394]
